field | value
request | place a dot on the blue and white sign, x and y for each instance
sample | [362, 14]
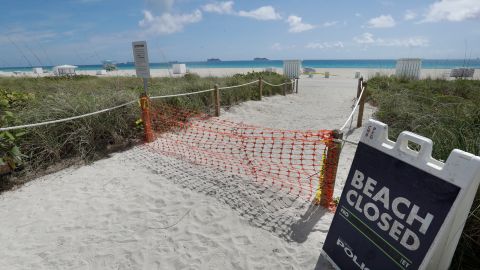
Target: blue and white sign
[396, 207]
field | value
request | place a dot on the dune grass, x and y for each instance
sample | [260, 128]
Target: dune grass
[448, 112]
[95, 136]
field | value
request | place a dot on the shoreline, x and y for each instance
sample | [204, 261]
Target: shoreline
[275, 63]
[433, 73]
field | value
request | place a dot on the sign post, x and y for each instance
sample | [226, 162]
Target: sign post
[401, 209]
[142, 66]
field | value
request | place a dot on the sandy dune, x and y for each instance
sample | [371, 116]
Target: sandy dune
[142, 210]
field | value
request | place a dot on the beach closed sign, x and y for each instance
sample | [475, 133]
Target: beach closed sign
[140, 56]
[389, 212]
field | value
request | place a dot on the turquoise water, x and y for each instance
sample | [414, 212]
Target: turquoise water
[387, 63]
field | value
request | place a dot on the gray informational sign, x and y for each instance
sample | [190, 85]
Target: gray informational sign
[140, 56]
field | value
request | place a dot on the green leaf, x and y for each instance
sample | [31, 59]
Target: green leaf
[20, 134]
[15, 151]
[8, 113]
[9, 135]
[2, 162]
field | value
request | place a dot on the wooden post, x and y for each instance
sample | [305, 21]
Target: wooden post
[216, 97]
[147, 122]
[330, 166]
[359, 87]
[296, 85]
[285, 88]
[292, 82]
[361, 106]
[260, 87]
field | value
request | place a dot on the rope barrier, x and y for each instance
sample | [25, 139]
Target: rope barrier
[273, 85]
[354, 109]
[236, 86]
[66, 119]
[184, 94]
[120, 106]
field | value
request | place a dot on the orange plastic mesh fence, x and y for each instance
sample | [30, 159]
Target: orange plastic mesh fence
[290, 160]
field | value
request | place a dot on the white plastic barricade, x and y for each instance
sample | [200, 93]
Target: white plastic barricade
[292, 68]
[401, 209]
[179, 68]
[408, 68]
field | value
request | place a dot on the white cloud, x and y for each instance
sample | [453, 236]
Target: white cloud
[365, 38]
[219, 7]
[264, 13]
[329, 24]
[382, 21]
[409, 15]
[279, 47]
[324, 45]
[369, 39]
[453, 10]
[296, 24]
[168, 23]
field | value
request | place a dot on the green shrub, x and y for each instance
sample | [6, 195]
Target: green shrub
[9, 140]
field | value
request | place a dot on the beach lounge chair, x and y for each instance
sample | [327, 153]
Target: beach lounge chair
[462, 73]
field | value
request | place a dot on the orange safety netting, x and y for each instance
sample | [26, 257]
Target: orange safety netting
[287, 159]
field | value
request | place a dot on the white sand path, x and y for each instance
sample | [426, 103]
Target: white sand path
[141, 210]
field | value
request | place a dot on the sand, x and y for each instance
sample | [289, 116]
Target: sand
[141, 210]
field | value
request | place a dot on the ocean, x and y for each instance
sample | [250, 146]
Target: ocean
[382, 64]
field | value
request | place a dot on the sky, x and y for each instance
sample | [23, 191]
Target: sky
[53, 32]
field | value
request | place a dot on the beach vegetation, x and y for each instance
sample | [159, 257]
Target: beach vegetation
[447, 112]
[39, 149]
